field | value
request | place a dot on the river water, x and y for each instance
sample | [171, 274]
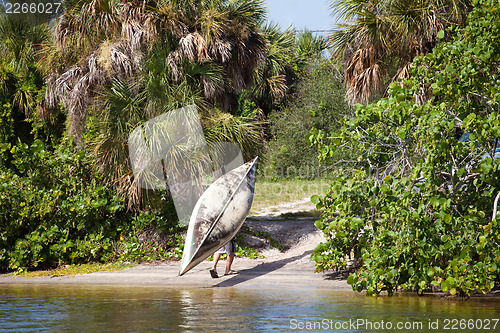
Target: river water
[66, 308]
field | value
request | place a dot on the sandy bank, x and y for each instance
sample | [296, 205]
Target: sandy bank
[259, 272]
[280, 269]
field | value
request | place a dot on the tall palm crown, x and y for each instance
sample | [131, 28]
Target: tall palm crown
[21, 82]
[126, 62]
[214, 44]
[270, 79]
[290, 52]
[380, 34]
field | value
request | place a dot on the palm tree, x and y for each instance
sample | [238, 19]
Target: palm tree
[270, 77]
[289, 53]
[215, 44]
[125, 105]
[21, 82]
[378, 35]
[115, 64]
[309, 47]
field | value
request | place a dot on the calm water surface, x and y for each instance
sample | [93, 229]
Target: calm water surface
[47, 308]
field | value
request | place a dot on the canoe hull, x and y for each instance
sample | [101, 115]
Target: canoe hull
[219, 214]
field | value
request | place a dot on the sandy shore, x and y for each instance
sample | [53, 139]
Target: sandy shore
[260, 272]
[289, 268]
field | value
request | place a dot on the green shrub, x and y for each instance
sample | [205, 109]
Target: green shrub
[54, 210]
[150, 237]
[418, 208]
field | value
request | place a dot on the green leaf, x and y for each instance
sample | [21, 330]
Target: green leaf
[315, 199]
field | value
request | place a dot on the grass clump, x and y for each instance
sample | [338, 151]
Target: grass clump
[75, 269]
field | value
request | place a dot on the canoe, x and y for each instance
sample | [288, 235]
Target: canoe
[218, 214]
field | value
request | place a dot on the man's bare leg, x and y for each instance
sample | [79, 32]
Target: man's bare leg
[229, 262]
[216, 260]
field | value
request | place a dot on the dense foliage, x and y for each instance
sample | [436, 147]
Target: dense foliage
[417, 209]
[317, 101]
[53, 209]
[56, 210]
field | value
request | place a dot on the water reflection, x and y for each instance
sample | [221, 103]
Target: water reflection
[139, 309]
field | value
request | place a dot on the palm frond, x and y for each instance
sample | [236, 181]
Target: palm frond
[397, 29]
[220, 50]
[224, 127]
[194, 47]
[247, 12]
[309, 45]
[363, 75]
[25, 99]
[364, 83]
[213, 24]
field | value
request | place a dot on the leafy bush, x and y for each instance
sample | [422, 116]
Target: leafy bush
[418, 208]
[151, 236]
[53, 209]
